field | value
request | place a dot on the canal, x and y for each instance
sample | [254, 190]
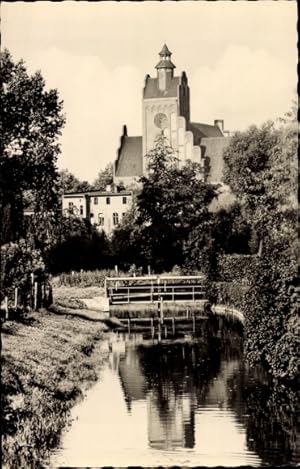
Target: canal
[185, 402]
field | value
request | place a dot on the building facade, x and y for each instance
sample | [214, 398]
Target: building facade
[166, 109]
[105, 209]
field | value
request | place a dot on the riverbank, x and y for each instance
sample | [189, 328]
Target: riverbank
[47, 361]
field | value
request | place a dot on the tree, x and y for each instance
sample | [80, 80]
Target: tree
[261, 168]
[69, 183]
[172, 201]
[31, 121]
[79, 246]
[104, 178]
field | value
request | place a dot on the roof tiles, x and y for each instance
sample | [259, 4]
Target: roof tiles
[130, 161]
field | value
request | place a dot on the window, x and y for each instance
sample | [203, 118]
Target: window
[71, 207]
[124, 200]
[101, 219]
[107, 200]
[123, 214]
[115, 218]
[91, 215]
[81, 209]
[95, 200]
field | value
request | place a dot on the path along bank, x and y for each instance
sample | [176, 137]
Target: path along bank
[47, 363]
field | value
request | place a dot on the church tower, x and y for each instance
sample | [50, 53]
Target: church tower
[166, 108]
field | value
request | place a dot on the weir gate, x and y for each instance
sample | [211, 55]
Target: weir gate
[162, 303]
[157, 302]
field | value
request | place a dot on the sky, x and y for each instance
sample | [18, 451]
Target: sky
[240, 59]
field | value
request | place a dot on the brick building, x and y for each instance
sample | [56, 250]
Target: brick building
[166, 108]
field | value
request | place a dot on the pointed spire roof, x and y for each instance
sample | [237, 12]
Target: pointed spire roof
[165, 51]
[165, 58]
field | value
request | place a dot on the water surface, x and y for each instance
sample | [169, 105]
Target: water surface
[188, 402]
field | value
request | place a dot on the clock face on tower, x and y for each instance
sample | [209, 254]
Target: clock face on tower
[161, 120]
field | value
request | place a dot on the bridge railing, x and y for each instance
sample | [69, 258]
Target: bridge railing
[154, 289]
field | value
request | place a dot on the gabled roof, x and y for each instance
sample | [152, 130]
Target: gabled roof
[151, 89]
[206, 130]
[130, 160]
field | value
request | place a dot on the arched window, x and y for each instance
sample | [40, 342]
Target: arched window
[101, 219]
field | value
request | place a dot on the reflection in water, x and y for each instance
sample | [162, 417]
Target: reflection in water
[177, 378]
[188, 403]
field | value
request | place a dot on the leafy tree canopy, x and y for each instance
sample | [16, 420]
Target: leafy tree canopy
[261, 168]
[31, 122]
[104, 178]
[172, 200]
[70, 183]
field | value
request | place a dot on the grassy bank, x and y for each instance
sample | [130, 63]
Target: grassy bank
[47, 363]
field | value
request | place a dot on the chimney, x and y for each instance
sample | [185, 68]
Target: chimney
[219, 123]
[108, 188]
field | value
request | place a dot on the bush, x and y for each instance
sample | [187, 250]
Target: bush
[235, 267]
[230, 293]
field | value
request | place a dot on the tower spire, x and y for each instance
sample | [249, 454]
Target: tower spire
[165, 59]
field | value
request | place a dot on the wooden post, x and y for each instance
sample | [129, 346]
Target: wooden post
[128, 323]
[194, 323]
[35, 296]
[161, 309]
[166, 332]
[6, 307]
[173, 294]
[149, 270]
[16, 297]
[44, 301]
[116, 269]
[193, 293]
[187, 313]
[32, 289]
[159, 332]
[127, 294]
[173, 325]
[152, 329]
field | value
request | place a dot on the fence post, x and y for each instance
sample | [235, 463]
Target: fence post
[6, 307]
[149, 270]
[32, 289]
[35, 296]
[16, 297]
[116, 269]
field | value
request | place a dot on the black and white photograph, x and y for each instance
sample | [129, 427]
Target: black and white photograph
[149, 234]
